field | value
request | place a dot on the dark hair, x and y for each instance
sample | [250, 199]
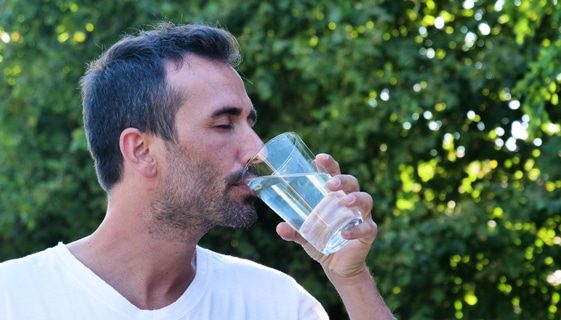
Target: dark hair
[126, 87]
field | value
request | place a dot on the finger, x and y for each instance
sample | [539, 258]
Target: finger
[326, 163]
[343, 182]
[361, 201]
[366, 231]
[286, 232]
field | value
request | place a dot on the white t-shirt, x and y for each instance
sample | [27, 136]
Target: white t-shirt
[53, 284]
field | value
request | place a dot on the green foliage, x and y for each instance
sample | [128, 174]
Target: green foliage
[447, 112]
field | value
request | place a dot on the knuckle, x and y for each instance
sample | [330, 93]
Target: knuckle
[365, 199]
[368, 199]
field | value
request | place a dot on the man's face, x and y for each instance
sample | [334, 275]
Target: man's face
[202, 183]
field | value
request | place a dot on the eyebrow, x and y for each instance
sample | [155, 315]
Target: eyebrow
[234, 111]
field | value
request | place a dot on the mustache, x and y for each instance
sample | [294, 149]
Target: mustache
[239, 176]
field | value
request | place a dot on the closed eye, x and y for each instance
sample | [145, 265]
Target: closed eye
[227, 113]
[225, 126]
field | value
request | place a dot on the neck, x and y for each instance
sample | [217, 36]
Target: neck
[149, 270]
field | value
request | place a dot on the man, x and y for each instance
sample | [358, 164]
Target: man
[169, 126]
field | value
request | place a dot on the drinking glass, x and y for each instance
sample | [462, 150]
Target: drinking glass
[292, 185]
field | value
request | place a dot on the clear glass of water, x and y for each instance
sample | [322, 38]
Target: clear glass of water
[291, 184]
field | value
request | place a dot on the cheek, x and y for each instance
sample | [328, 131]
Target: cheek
[218, 153]
[223, 151]
[216, 161]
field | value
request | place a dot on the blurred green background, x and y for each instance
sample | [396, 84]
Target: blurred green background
[447, 111]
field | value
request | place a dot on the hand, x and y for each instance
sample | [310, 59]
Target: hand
[350, 260]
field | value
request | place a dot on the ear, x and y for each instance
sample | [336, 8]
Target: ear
[135, 148]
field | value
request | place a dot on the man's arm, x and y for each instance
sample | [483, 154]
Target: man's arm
[353, 281]
[360, 296]
[346, 269]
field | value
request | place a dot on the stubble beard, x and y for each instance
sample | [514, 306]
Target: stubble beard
[192, 200]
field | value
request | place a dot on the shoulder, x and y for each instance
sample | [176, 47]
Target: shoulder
[239, 267]
[22, 270]
[278, 292]
[224, 260]
[25, 262]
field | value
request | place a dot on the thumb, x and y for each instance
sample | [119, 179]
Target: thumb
[286, 232]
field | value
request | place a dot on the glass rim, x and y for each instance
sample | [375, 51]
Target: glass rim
[261, 157]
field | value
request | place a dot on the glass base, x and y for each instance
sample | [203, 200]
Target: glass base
[336, 242]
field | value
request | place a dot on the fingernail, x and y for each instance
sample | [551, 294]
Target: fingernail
[334, 182]
[346, 234]
[349, 199]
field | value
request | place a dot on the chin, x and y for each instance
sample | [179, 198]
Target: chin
[238, 212]
[242, 219]
[250, 201]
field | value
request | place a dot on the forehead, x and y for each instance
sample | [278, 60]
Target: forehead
[198, 78]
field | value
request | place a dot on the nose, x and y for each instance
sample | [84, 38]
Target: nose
[252, 145]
